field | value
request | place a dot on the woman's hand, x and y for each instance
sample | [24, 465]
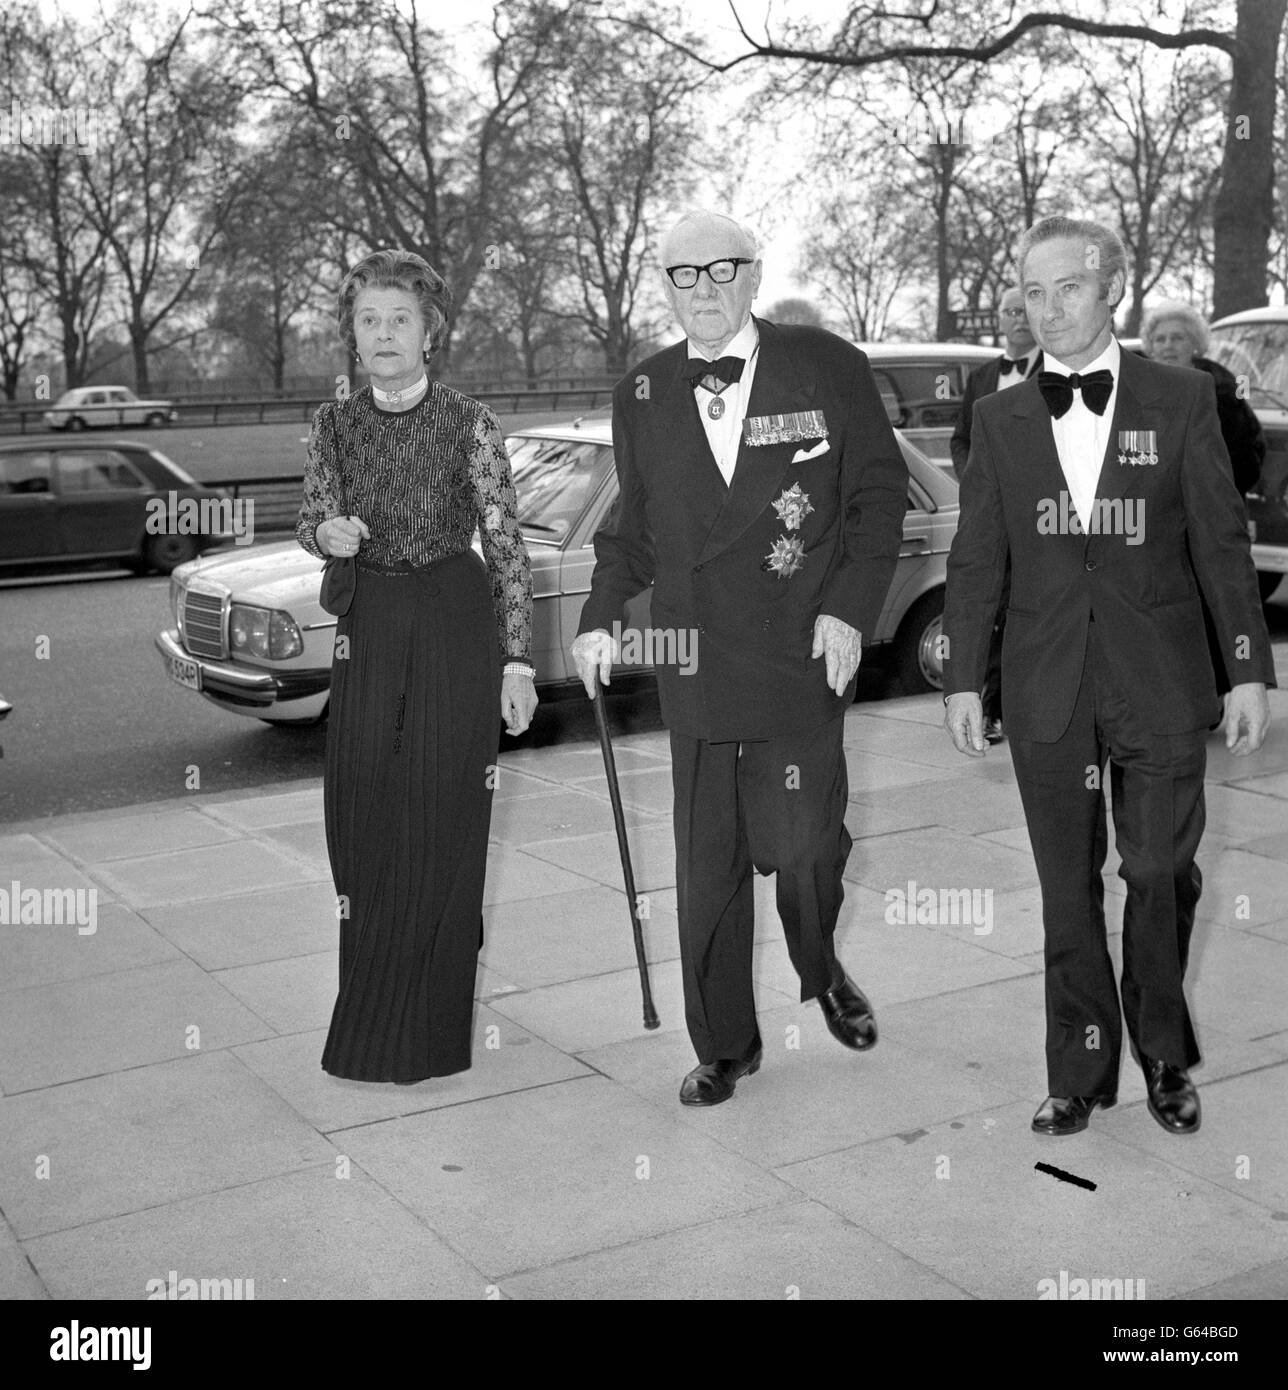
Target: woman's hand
[518, 701]
[341, 535]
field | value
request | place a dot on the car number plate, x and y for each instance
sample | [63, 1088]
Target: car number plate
[185, 672]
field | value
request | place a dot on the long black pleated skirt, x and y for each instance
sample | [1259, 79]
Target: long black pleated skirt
[410, 757]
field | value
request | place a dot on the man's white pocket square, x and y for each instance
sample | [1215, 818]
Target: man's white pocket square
[802, 454]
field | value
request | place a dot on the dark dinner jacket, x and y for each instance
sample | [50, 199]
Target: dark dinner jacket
[703, 545]
[1145, 597]
[981, 382]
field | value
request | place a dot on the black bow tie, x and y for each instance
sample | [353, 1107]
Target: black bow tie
[1010, 365]
[1058, 390]
[724, 369]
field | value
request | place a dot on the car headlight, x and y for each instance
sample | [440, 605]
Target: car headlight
[176, 603]
[267, 633]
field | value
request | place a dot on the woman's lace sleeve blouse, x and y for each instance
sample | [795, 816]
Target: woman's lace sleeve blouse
[423, 480]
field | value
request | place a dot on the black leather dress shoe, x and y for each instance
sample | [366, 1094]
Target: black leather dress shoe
[713, 1082]
[1061, 1115]
[1173, 1099]
[849, 1015]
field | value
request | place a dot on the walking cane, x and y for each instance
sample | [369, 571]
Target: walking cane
[610, 770]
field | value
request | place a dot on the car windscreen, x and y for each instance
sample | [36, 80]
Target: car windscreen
[554, 480]
[156, 465]
[1257, 353]
[920, 394]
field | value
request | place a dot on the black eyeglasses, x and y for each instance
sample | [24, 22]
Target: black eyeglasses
[684, 277]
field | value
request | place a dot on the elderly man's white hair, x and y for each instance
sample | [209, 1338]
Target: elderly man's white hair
[751, 247]
[1195, 323]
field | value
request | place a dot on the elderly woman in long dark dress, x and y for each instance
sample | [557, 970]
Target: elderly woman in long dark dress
[434, 646]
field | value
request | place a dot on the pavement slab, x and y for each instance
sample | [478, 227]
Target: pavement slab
[516, 874]
[210, 871]
[325, 1233]
[798, 1250]
[811, 1095]
[142, 1138]
[34, 864]
[506, 1058]
[18, 1279]
[567, 936]
[106, 1024]
[46, 954]
[584, 1166]
[938, 858]
[252, 927]
[97, 840]
[598, 857]
[967, 1201]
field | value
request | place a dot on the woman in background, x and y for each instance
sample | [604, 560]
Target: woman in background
[1174, 333]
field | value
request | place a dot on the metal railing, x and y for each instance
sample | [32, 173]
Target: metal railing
[28, 419]
[276, 499]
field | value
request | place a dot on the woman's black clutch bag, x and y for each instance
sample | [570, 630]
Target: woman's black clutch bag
[339, 579]
[340, 573]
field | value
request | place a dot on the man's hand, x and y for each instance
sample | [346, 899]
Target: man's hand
[843, 647]
[964, 720]
[518, 702]
[1247, 714]
[594, 652]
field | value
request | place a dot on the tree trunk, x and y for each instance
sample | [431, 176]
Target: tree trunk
[943, 274]
[279, 341]
[139, 351]
[1245, 201]
[72, 366]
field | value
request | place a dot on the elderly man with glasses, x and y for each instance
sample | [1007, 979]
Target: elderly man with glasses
[763, 496]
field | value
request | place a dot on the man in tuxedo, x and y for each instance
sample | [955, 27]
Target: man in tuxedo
[762, 494]
[1022, 358]
[1105, 485]
[1020, 361]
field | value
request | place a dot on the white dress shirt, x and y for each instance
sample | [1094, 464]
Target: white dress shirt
[1081, 435]
[1014, 376]
[725, 434]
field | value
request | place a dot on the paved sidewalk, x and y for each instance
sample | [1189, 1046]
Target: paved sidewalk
[164, 1109]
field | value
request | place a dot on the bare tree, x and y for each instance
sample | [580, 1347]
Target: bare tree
[857, 253]
[272, 256]
[172, 118]
[19, 312]
[794, 309]
[418, 152]
[614, 123]
[1158, 159]
[869, 37]
[47, 226]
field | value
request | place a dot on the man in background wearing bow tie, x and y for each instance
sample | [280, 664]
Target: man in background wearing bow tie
[1025, 358]
[1105, 657]
[762, 494]
[1020, 361]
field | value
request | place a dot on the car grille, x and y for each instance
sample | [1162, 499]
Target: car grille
[203, 625]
